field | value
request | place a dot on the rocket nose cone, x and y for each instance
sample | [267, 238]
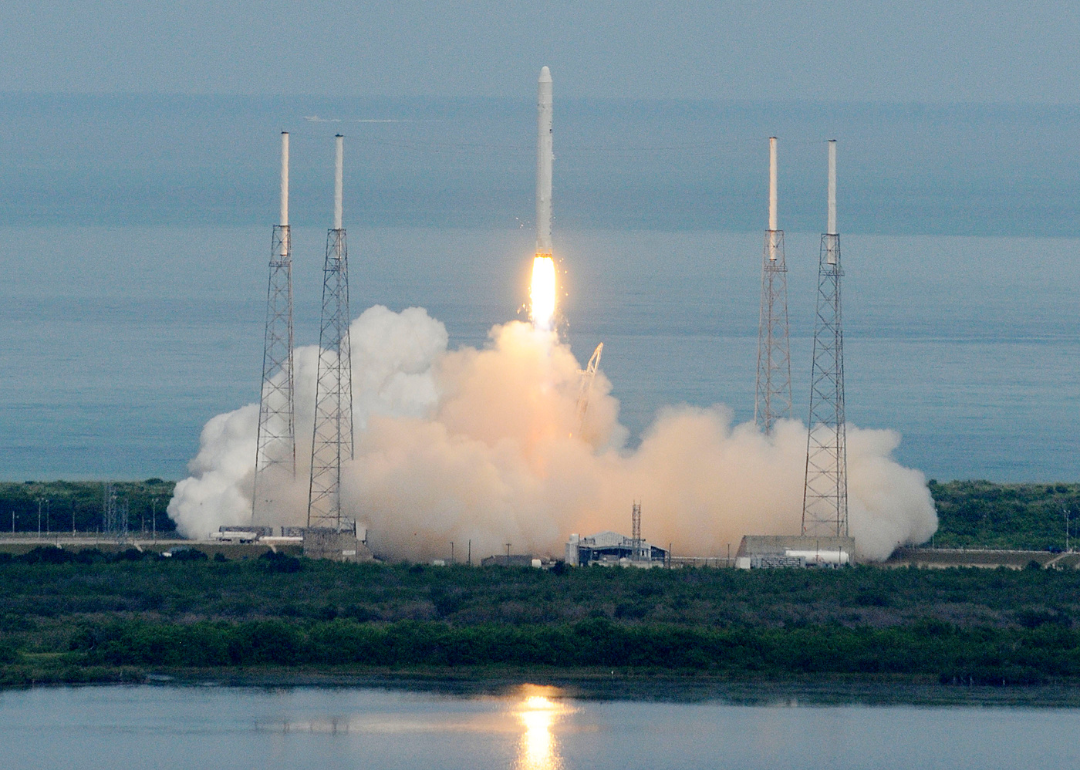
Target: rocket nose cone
[545, 75]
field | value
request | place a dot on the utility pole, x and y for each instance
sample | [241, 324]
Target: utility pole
[40, 500]
[507, 554]
[47, 516]
[451, 551]
[470, 553]
[153, 519]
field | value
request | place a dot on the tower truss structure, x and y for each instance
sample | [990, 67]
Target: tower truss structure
[772, 400]
[275, 453]
[332, 439]
[825, 495]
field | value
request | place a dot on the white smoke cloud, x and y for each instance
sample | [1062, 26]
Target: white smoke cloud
[482, 446]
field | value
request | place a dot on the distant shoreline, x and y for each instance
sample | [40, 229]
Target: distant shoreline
[596, 684]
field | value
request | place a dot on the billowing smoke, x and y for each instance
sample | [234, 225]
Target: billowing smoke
[484, 446]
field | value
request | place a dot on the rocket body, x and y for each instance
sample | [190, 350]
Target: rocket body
[544, 158]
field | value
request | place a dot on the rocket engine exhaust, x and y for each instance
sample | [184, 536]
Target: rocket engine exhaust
[542, 291]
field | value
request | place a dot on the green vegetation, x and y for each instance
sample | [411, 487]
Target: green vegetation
[60, 501]
[980, 514]
[92, 617]
[87, 616]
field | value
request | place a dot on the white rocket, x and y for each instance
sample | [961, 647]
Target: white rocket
[544, 156]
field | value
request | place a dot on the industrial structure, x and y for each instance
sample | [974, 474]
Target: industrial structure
[825, 500]
[764, 551]
[275, 453]
[610, 549]
[114, 515]
[332, 437]
[772, 400]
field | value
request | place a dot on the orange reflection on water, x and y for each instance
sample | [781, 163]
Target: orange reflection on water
[538, 714]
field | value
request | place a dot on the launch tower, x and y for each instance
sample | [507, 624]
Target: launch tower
[332, 440]
[825, 501]
[275, 453]
[773, 393]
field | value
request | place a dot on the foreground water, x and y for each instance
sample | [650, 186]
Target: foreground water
[527, 728]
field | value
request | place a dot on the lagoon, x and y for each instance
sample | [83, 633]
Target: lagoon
[533, 727]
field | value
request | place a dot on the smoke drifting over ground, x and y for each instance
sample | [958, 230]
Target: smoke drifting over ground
[483, 445]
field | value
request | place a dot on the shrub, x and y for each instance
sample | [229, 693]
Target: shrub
[274, 561]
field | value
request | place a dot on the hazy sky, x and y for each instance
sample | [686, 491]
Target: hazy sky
[993, 51]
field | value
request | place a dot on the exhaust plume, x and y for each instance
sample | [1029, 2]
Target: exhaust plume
[483, 445]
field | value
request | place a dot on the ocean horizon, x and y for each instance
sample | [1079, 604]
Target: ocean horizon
[137, 232]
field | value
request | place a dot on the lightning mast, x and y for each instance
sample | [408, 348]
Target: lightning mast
[635, 530]
[275, 453]
[332, 441]
[773, 392]
[825, 498]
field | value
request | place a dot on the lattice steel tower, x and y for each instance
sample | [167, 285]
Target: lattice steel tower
[773, 393]
[825, 499]
[275, 453]
[332, 440]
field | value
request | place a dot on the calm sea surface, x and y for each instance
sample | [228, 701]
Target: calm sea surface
[119, 343]
[527, 729]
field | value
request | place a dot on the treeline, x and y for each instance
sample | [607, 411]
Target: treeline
[63, 506]
[981, 514]
[928, 648]
[51, 586]
[90, 617]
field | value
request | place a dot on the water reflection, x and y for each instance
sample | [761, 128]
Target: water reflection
[538, 714]
[530, 717]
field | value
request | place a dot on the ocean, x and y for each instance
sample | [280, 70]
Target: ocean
[136, 232]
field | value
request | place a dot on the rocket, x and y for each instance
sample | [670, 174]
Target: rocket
[544, 157]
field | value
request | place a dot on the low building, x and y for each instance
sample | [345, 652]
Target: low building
[614, 550]
[765, 551]
[343, 544]
[512, 560]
